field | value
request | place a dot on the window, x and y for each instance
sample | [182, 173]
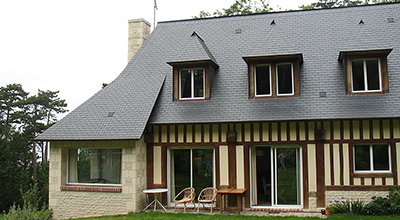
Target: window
[99, 166]
[191, 83]
[191, 80]
[366, 75]
[366, 71]
[372, 158]
[275, 76]
[283, 76]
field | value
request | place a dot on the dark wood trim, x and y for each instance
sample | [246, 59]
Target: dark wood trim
[371, 129]
[332, 164]
[232, 165]
[150, 166]
[394, 162]
[351, 165]
[279, 131]
[184, 133]
[320, 174]
[168, 133]
[372, 175]
[193, 133]
[360, 188]
[164, 166]
[217, 167]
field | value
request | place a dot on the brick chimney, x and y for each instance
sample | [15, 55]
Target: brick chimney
[139, 30]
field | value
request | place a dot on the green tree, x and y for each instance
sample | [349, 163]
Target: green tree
[240, 7]
[22, 118]
[12, 99]
[342, 3]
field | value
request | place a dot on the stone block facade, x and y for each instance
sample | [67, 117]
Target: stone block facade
[72, 201]
[366, 196]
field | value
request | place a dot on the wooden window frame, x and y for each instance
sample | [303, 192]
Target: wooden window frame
[273, 61]
[348, 56]
[191, 65]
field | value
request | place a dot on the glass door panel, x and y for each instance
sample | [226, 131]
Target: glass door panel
[202, 169]
[287, 176]
[180, 167]
[263, 173]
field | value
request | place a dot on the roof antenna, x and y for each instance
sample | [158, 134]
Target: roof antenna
[273, 22]
[155, 8]
[361, 22]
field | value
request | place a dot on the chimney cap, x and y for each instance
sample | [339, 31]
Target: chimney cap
[139, 20]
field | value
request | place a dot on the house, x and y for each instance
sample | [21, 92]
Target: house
[299, 108]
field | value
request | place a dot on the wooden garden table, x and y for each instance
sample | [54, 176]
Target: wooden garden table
[222, 200]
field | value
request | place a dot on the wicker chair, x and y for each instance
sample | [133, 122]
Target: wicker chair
[207, 195]
[188, 197]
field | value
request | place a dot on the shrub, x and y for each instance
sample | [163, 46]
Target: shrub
[388, 205]
[30, 211]
[18, 213]
[354, 207]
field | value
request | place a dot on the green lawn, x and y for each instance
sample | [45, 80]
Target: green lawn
[192, 216]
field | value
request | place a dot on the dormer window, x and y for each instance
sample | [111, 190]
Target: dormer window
[274, 76]
[366, 71]
[191, 80]
[191, 83]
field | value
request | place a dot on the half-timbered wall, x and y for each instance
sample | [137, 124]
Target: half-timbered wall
[327, 153]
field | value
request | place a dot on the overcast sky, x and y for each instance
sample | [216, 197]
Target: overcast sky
[74, 46]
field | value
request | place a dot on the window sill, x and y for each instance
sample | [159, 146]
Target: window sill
[369, 175]
[275, 97]
[368, 93]
[191, 100]
[89, 188]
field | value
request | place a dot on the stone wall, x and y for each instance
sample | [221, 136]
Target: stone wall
[366, 196]
[95, 201]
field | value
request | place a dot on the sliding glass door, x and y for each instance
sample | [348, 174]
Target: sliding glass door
[190, 167]
[276, 176]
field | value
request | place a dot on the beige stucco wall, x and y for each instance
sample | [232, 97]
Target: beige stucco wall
[74, 204]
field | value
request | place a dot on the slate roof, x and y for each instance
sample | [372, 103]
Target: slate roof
[142, 94]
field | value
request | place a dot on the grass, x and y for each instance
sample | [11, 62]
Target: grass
[192, 216]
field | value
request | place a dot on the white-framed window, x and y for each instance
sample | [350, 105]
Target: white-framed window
[191, 83]
[366, 75]
[264, 83]
[94, 166]
[372, 158]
